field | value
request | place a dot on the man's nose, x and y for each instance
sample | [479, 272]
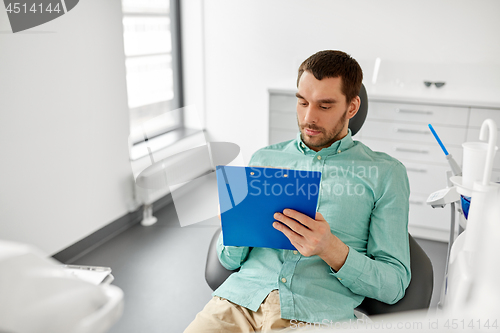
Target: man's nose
[311, 115]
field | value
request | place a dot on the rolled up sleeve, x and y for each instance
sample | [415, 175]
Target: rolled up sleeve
[231, 257]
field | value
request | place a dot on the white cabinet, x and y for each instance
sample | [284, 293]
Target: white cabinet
[400, 128]
[418, 113]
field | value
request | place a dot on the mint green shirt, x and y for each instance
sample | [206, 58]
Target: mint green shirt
[364, 197]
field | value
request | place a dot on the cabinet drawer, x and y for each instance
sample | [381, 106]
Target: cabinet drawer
[283, 103]
[423, 215]
[413, 151]
[477, 116]
[427, 114]
[426, 178]
[283, 120]
[278, 135]
[418, 133]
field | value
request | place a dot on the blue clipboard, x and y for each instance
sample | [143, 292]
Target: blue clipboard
[249, 197]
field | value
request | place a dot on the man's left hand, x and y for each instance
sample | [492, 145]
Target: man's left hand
[312, 237]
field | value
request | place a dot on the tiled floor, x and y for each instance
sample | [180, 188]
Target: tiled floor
[161, 268]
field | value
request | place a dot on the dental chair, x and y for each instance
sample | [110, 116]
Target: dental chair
[419, 292]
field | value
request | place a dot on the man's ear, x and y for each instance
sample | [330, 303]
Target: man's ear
[353, 107]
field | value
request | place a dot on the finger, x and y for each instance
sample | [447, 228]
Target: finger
[294, 238]
[319, 217]
[302, 218]
[290, 234]
[292, 224]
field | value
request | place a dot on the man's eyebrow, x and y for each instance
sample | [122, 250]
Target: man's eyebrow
[327, 101]
[321, 101]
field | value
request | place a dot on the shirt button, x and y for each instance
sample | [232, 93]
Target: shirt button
[302, 145]
[295, 252]
[339, 279]
[339, 151]
[283, 280]
[319, 157]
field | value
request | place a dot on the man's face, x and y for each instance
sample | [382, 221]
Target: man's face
[322, 111]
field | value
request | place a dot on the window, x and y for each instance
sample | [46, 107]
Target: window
[152, 59]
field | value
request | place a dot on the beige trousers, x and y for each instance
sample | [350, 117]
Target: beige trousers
[221, 316]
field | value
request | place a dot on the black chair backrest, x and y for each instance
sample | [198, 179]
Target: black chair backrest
[358, 120]
[215, 273]
[417, 296]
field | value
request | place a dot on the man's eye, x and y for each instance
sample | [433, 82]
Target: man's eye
[303, 103]
[325, 107]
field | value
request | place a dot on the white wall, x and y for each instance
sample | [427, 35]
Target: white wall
[253, 45]
[64, 170]
[193, 59]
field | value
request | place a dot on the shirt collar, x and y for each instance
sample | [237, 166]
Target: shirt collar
[335, 148]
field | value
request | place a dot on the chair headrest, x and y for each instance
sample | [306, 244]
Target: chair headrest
[358, 120]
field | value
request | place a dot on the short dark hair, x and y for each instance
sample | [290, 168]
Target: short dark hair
[330, 63]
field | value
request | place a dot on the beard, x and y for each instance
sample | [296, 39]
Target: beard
[325, 138]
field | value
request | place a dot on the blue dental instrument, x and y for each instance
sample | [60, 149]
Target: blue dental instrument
[438, 140]
[455, 169]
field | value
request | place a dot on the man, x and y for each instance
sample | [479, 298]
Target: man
[357, 245]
